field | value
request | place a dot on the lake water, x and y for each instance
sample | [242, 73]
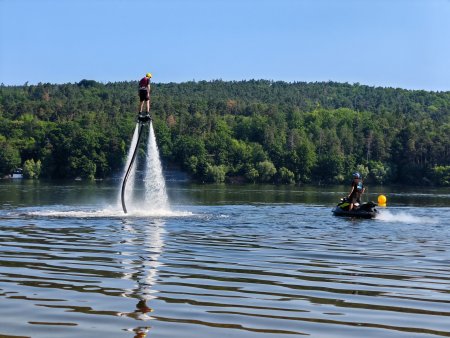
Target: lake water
[225, 261]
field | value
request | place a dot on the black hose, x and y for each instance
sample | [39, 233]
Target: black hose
[124, 183]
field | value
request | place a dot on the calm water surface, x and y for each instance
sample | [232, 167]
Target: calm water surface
[245, 261]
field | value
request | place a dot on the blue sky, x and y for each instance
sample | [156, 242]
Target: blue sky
[389, 43]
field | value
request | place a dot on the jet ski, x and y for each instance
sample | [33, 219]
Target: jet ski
[364, 210]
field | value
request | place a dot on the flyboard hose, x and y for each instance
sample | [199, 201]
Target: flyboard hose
[142, 120]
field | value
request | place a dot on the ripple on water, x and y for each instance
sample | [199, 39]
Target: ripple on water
[237, 271]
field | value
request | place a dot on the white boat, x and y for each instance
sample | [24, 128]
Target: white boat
[18, 173]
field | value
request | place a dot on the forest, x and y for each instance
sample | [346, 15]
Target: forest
[255, 131]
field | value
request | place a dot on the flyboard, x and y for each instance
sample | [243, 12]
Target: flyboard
[142, 121]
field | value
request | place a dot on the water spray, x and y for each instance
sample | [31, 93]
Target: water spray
[142, 120]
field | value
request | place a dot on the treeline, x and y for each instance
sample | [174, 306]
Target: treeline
[247, 131]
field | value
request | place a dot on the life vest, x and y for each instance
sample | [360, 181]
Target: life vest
[359, 187]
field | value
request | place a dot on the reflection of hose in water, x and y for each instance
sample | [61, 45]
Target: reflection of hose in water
[141, 267]
[141, 120]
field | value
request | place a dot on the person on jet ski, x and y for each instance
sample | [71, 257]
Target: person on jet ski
[356, 191]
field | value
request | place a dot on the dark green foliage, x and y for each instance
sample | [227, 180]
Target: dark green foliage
[248, 131]
[31, 169]
[441, 175]
[9, 158]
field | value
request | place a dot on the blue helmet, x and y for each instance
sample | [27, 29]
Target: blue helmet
[356, 175]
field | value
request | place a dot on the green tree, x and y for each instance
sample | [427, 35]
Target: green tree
[441, 175]
[316, 130]
[9, 158]
[215, 174]
[379, 172]
[363, 170]
[286, 176]
[329, 168]
[266, 171]
[32, 169]
[82, 167]
[251, 174]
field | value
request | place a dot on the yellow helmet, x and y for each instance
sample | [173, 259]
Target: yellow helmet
[148, 75]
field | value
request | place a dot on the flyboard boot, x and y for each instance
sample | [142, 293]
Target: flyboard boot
[144, 117]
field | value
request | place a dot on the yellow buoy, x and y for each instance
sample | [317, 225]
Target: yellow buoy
[382, 200]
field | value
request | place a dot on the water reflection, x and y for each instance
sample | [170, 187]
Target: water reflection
[319, 195]
[144, 245]
[29, 192]
[232, 269]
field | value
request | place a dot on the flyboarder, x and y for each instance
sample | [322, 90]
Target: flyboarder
[144, 93]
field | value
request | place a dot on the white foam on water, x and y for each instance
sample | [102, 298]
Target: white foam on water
[404, 217]
[108, 212]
